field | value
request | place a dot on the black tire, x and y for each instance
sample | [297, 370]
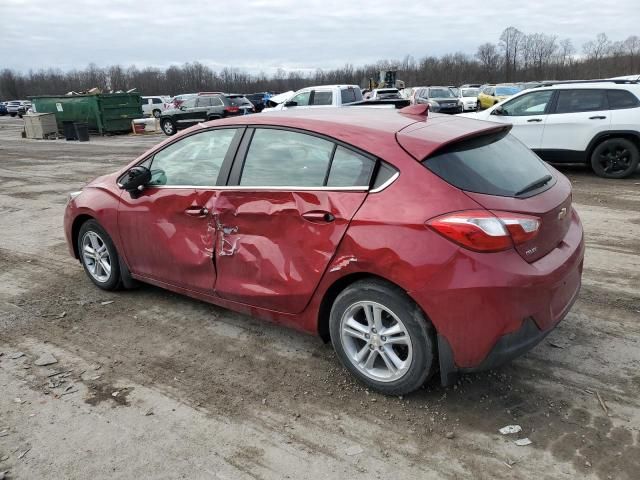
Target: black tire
[13, 114]
[168, 126]
[478, 106]
[615, 158]
[113, 282]
[156, 113]
[418, 328]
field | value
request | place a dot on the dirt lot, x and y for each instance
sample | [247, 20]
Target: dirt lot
[154, 385]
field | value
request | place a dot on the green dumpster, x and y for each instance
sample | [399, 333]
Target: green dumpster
[104, 112]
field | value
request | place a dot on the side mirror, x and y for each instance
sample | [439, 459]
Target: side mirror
[135, 179]
[498, 111]
[182, 107]
[291, 104]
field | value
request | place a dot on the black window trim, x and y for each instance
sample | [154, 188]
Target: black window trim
[554, 111]
[637, 100]
[225, 168]
[241, 155]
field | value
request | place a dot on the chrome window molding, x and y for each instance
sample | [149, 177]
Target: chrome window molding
[386, 184]
[262, 188]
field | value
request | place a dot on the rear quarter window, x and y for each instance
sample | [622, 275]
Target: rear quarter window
[349, 95]
[621, 99]
[497, 164]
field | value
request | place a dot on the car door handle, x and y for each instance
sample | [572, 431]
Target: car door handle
[597, 117]
[196, 211]
[319, 217]
[534, 120]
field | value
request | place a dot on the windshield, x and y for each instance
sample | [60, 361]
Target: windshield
[470, 92]
[507, 90]
[441, 93]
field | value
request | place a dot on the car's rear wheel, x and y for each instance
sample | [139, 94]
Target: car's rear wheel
[98, 255]
[168, 127]
[615, 158]
[382, 337]
[156, 113]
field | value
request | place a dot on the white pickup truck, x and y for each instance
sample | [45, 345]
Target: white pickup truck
[321, 96]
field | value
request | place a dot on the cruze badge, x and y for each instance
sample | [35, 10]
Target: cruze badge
[562, 213]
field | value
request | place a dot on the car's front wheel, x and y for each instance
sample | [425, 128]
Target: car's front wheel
[615, 158]
[382, 337]
[98, 255]
[168, 127]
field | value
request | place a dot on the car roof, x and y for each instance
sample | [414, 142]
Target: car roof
[371, 129]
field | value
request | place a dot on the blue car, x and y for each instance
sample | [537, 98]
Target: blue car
[3, 109]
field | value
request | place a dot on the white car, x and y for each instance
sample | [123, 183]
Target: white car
[593, 122]
[321, 96]
[153, 106]
[18, 107]
[469, 98]
[383, 93]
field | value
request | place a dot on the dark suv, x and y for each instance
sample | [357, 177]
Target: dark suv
[202, 108]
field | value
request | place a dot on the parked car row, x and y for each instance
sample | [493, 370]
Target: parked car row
[15, 107]
[203, 107]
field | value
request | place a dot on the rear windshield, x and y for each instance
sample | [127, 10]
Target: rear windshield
[496, 164]
[238, 101]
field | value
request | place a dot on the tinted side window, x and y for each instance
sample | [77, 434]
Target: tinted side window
[349, 169]
[584, 100]
[194, 160]
[621, 99]
[350, 95]
[280, 158]
[204, 102]
[322, 98]
[157, 100]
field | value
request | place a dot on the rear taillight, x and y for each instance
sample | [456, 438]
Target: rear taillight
[485, 231]
[232, 109]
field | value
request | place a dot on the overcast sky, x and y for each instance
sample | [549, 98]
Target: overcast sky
[266, 35]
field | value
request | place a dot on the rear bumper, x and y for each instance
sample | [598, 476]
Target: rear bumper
[491, 308]
[508, 347]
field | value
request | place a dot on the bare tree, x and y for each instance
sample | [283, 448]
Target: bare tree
[509, 44]
[489, 59]
[596, 49]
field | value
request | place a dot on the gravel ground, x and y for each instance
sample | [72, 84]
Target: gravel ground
[150, 384]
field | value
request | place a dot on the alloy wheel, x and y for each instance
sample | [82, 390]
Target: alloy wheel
[376, 341]
[167, 126]
[95, 256]
[615, 158]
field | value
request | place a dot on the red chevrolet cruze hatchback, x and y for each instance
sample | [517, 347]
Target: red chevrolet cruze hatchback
[412, 242]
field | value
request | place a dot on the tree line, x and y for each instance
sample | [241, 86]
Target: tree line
[517, 56]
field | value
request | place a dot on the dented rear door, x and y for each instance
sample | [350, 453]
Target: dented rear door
[288, 203]
[273, 247]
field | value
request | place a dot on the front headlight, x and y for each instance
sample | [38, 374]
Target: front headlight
[73, 195]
